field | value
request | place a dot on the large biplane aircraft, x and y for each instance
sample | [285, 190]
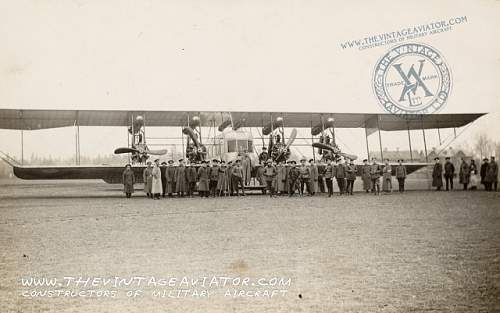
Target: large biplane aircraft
[233, 139]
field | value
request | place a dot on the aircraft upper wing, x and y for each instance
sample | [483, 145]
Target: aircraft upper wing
[43, 119]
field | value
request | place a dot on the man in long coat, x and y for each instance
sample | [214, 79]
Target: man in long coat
[314, 176]
[464, 174]
[365, 176]
[147, 177]
[170, 177]
[163, 169]
[482, 172]
[270, 174]
[401, 175]
[293, 178]
[321, 176]
[305, 177]
[180, 179]
[437, 174]
[191, 179]
[387, 177]
[246, 164]
[156, 188]
[237, 178]
[492, 174]
[449, 173]
[214, 177]
[128, 179]
[281, 178]
[203, 180]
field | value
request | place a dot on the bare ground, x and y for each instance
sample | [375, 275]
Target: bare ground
[420, 251]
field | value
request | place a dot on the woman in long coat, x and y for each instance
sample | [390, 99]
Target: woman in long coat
[128, 179]
[365, 176]
[464, 174]
[156, 188]
[180, 179]
[437, 175]
[147, 176]
[280, 178]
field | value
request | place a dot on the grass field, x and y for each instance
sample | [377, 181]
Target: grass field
[422, 251]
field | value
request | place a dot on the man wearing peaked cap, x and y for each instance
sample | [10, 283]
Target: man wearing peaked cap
[437, 174]
[449, 173]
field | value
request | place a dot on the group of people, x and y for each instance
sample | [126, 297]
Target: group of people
[218, 178]
[468, 174]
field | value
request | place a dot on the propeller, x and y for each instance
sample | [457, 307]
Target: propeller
[289, 142]
[334, 150]
[126, 150]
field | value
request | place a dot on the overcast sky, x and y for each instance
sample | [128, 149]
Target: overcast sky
[228, 55]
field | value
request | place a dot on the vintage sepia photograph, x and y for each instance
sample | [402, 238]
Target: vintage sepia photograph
[249, 156]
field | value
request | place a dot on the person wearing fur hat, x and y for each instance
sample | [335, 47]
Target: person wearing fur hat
[128, 179]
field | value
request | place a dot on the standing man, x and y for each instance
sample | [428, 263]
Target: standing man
[163, 170]
[170, 178]
[246, 164]
[329, 176]
[449, 173]
[214, 176]
[270, 173]
[156, 187]
[128, 179]
[147, 176]
[484, 168]
[387, 177]
[314, 176]
[237, 178]
[180, 179]
[222, 182]
[437, 174]
[375, 172]
[340, 174]
[351, 177]
[294, 178]
[191, 178]
[365, 176]
[321, 176]
[288, 167]
[492, 174]
[401, 175]
[203, 180]
[464, 173]
[229, 173]
[305, 176]
[280, 178]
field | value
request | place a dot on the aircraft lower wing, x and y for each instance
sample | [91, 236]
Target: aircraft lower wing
[113, 174]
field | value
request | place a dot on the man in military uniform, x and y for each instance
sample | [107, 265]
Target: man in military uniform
[321, 176]
[147, 176]
[270, 176]
[328, 174]
[375, 172]
[170, 176]
[203, 180]
[180, 179]
[387, 177]
[237, 178]
[449, 173]
[305, 177]
[294, 178]
[314, 176]
[191, 178]
[492, 174]
[401, 175]
[214, 176]
[365, 176]
[340, 174]
[163, 170]
[482, 172]
[437, 174]
[350, 177]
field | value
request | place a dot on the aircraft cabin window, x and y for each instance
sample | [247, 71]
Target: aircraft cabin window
[242, 145]
[231, 146]
[250, 146]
